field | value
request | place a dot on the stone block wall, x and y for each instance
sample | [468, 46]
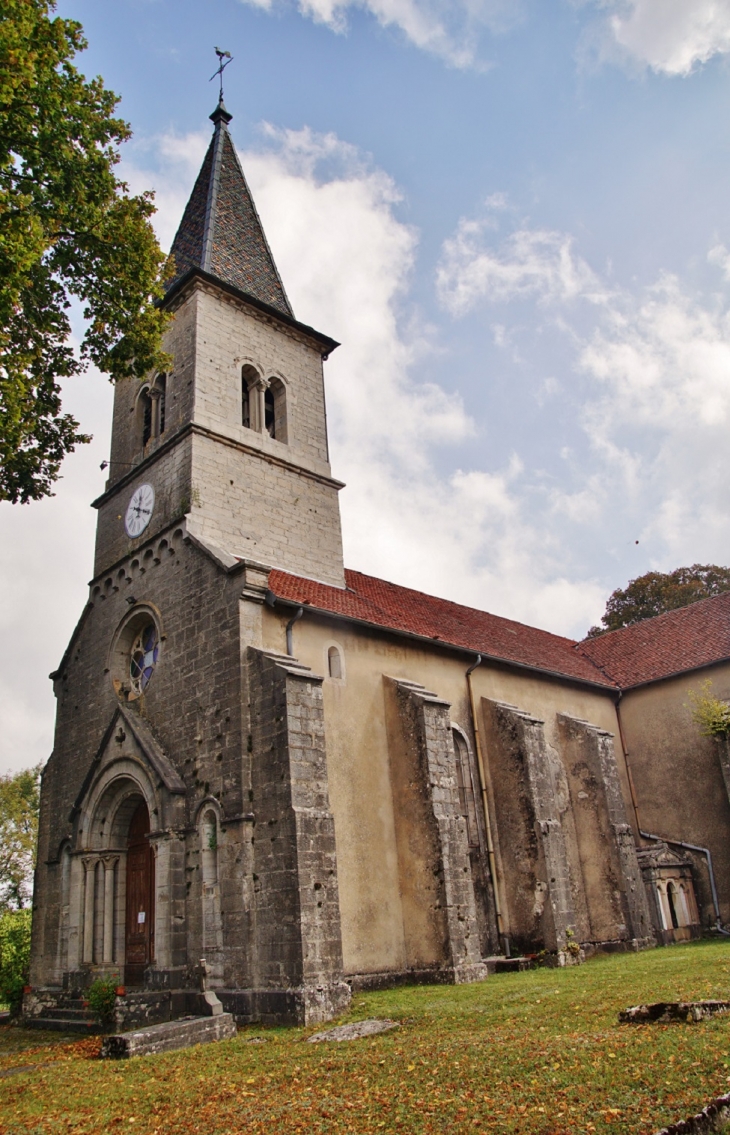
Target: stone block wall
[254, 505]
[193, 706]
[297, 944]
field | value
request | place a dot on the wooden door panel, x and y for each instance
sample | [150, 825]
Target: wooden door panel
[140, 903]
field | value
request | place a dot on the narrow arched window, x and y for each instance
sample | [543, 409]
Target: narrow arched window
[465, 785]
[269, 413]
[334, 662]
[210, 849]
[276, 415]
[146, 403]
[161, 385]
[245, 403]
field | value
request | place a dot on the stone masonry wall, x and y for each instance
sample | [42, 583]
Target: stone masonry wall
[230, 335]
[192, 705]
[297, 938]
[266, 511]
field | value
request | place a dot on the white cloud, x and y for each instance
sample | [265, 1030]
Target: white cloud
[446, 28]
[530, 263]
[347, 260]
[656, 409]
[671, 37]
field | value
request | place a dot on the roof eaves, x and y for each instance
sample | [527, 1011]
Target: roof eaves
[675, 674]
[440, 642]
[197, 273]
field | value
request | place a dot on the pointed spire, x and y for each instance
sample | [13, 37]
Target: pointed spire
[220, 232]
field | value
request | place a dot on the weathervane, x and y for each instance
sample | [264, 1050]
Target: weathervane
[221, 68]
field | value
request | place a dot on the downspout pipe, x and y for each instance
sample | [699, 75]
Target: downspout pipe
[663, 839]
[485, 807]
[290, 630]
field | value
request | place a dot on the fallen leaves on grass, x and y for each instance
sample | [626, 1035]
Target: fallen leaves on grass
[537, 1053]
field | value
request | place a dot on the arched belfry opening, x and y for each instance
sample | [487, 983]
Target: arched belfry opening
[139, 933]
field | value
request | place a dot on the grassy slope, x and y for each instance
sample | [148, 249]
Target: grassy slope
[538, 1052]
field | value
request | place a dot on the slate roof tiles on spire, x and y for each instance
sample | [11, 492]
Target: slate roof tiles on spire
[221, 233]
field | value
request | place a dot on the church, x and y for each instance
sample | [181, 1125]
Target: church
[314, 780]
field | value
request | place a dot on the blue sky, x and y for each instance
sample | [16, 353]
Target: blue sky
[515, 217]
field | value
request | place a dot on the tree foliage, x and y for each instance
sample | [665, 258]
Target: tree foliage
[656, 592]
[69, 229]
[19, 804]
[710, 713]
[15, 928]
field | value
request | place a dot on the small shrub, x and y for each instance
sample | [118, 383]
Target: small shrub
[572, 945]
[102, 999]
[14, 956]
[711, 714]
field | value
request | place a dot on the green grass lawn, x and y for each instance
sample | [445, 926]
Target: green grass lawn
[538, 1052]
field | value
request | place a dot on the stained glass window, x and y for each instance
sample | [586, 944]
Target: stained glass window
[143, 658]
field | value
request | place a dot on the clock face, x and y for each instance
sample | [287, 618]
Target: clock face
[139, 510]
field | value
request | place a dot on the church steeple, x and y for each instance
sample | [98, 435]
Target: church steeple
[221, 233]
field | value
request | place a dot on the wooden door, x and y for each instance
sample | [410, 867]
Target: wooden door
[140, 903]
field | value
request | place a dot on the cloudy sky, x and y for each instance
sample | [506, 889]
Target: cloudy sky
[514, 215]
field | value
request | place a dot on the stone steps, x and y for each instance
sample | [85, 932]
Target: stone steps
[67, 1015]
[79, 1023]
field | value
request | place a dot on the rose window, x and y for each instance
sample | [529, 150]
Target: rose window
[143, 658]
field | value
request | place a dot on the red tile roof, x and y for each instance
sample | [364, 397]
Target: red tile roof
[672, 643]
[678, 641]
[390, 606]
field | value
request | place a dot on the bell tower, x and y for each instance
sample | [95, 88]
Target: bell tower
[233, 437]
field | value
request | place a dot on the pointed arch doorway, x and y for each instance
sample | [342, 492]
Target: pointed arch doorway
[140, 898]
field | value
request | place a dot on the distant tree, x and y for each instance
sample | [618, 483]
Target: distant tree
[656, 592]
[69, 228]
[19, 804]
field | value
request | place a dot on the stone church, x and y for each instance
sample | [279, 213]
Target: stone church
[313, 779]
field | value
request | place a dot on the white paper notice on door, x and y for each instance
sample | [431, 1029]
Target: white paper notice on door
[141, 917]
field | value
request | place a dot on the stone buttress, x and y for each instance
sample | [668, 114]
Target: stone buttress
[297, 945]
[441, 930]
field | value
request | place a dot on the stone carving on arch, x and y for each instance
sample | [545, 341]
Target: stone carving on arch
[129, 768]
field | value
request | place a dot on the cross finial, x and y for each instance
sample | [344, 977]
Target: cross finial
[222, 56]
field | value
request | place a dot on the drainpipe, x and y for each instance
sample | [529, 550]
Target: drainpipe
[663, 839]
[625, 752]
[290, 631]
[485, 806]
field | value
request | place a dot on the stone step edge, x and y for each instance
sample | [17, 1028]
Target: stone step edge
[169, 1036]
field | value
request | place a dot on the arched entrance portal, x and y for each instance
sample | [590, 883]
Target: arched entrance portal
[140, 898]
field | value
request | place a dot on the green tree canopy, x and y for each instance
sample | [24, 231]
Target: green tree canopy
[69, 228]
[19, 804]
[656, 592]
